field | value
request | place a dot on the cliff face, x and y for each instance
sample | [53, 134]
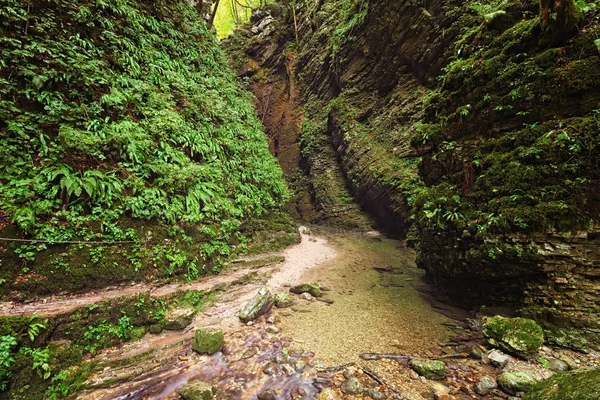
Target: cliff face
[467, 128]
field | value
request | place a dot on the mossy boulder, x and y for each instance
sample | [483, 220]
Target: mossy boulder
[307, 287]
[259, 305]
[430, 369]
[515, 382]
[208, 340]
[520, 336]
[580, 385]
[198, 391]
[282, 300]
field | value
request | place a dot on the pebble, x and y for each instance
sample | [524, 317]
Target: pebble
[273, 330]
[328, 394]
[271, 319]
[413, 375]
[270, 368]
[306, 296]
[288, 369]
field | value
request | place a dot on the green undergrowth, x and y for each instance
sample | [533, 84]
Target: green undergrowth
[53, 357]
[120, 122]
[509, 136]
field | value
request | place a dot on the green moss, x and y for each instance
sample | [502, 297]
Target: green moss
[520, 336]
[577, 385]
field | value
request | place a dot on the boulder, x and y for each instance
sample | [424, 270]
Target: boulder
[198, 391]
[259, 305]
[574, 385]
[208, 340]
[430, 369]
[282, 300]
[520, 336]
[515, 382]
[307, 287]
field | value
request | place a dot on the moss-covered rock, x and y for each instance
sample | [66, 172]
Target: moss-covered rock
[208, 340]
[198, 391]
[581, 385]
[282, 300]
[568, 338]
[520, 336]
[430, 369]
[307, 287]
[259, 305]
[515, 382]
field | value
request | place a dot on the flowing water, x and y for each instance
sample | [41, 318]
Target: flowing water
[372, 304]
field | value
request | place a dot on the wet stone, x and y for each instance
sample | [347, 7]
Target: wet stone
[270, 368]
[198, 391]
[328, 394]
[485, 385]
[514, 382]
[259, 305]
[352, 386]
[282, 300]
[498, 359]
[208, 340]
[430, 369]
[273, 330]
[559, 366]
[268, 394]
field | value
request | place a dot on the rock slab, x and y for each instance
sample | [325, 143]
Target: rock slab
[260, 304]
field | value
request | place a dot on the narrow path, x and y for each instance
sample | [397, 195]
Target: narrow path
[298, 258]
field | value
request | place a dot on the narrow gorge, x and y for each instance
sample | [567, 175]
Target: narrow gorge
[340, 199]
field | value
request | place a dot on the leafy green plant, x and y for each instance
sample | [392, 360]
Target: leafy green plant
[34, 328]
[41, 360]
[6, 359]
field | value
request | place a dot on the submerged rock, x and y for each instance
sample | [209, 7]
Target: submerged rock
[208, 340]
[268, 394]
[520, 336]
[580, 385]
[352, 386]
[259, 305]
[430, 369]
[307, 287]
[282, 300]
[198, 391]
[328, 394]
[515, 382]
